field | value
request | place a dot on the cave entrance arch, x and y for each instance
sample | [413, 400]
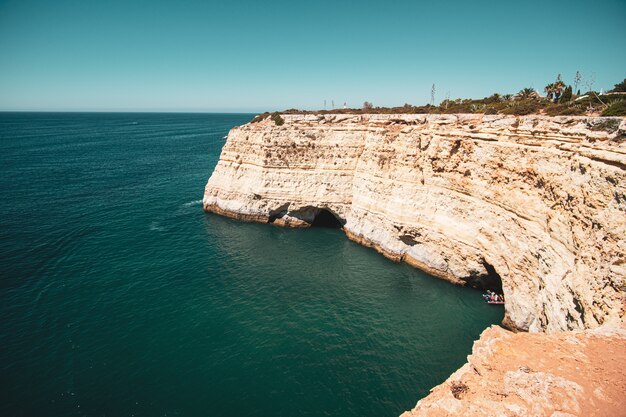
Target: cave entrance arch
[325, 218]
[491, 280]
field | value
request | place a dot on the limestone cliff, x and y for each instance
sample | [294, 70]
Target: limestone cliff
[538, 202]
[534, 204]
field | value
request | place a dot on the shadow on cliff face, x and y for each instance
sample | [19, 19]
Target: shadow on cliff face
[307, 216]
[324, 218]
[489, 281]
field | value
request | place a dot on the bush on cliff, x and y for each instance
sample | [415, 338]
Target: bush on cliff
[279, 121]
[620, 87]
[522, 107]
[565, 109]
[567, 95]
[259, 117]
[527, 101]
[617, 108]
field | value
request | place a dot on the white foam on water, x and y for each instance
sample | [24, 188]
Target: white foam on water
[154, 226]
[193, 203]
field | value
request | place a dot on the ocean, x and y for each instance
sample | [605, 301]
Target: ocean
[119, 296]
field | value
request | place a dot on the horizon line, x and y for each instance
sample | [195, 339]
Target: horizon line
[129, 111]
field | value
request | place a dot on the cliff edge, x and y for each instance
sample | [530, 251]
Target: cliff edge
[534, 204]
[563, 374]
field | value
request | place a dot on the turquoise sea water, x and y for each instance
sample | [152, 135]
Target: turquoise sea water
[119, 296]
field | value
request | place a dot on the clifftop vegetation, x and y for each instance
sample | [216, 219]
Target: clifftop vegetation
[274, 116]
[560, 100]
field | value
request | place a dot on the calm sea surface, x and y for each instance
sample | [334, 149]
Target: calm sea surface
[119, 296]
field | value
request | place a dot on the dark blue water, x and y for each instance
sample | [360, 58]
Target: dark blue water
[119, 296]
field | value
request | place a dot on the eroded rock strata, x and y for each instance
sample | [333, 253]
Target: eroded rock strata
[538, 203]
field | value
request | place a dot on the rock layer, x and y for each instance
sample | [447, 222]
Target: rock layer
[565, 374]
[536, 203]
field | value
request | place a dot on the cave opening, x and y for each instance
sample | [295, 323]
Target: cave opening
[325, 218]
[489, 281]
[492, 281]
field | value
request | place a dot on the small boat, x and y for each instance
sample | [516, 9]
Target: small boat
[489, 300]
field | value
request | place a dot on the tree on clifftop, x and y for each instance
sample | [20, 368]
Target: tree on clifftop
[555, 89]
[620, 87]
[567, 94]
[368, 106]
[525, 93]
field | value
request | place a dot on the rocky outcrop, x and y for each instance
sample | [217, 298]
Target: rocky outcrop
[534, 204]
[565, 374]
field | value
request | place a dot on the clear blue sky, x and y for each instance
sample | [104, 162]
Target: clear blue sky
[114, 55]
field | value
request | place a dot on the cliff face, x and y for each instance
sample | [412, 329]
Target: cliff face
[536, 202]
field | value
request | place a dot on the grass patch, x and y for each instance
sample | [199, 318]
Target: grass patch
[522, 107]
[617, 108]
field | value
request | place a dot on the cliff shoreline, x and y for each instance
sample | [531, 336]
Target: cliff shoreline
[535, 200]
[534, 204]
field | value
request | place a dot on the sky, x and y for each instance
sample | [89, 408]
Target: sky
[253, 56]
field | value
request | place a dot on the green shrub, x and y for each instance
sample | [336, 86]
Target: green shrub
[526, 93]
[527, 101]
[554, 109]
[565, 109]
[617, 108]
[612, 98]
[572, 111]
[620, 87]
[494, 98]
[260, 117]
[567, 95]
[522, 107]
[279, 121]
[276, 118]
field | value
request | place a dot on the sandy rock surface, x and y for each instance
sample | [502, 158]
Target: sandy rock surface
[564, 374]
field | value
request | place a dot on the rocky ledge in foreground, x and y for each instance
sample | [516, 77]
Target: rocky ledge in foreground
[565, 374]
